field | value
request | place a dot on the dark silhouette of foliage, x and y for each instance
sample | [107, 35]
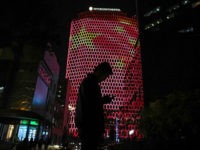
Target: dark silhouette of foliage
[176, 116]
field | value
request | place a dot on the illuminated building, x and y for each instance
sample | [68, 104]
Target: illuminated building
[99, 36]
[28, 93]
[177, 15]
[57, 128]
[169, 41]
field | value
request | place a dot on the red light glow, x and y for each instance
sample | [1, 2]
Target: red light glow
[101, 36]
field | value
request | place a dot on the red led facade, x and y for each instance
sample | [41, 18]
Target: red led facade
[113, 37]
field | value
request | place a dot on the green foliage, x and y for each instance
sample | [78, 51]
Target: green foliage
[175, 116]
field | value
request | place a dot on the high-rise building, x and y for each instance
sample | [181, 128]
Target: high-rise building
[170, 16]
[169, 42]
[58, 118]
[111, 36]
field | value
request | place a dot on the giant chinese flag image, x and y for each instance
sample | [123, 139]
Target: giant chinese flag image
[96, 37]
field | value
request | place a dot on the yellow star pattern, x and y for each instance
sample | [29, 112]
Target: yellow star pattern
[120, 63]
[125, 21]
[119, 29]
[133, 52]
[83, 38]
[132, 41]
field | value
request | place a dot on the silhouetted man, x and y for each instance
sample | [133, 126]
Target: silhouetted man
[89, 117]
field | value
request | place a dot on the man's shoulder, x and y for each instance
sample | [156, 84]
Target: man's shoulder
[89, 81]
[89, 78]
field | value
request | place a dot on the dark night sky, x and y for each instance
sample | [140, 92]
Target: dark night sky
[170, 61]
[50, 15]
[49, 20]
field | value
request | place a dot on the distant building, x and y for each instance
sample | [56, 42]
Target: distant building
[171, 16]
[169, 44]
[58, 118]
[29, 80]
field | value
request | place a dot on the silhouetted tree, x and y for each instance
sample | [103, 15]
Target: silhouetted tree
[175, 117]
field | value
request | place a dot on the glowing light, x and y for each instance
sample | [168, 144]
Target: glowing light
[24, 122]
[90, 8]
[34, 122]
[56, 146]
[196, 4]
[71, 108]
[131, 132]
[83, 37]
[120, 63]
[104, 9]
[119, 29]
[94, 38]
[10, 132]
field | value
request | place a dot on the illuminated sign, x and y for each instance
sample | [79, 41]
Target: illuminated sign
[25, 122]
[103, 9]
[34, 122]
[40, 97]
[45, 73]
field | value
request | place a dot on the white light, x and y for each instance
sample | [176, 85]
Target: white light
[185, 2]
[104, 9]
[90, 8]
[56, 146]
[195, 4]
[158, 9]
[71, 108]
[131, 132]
